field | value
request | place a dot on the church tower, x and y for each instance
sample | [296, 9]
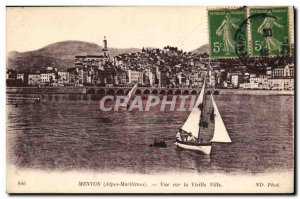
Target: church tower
[105, 49]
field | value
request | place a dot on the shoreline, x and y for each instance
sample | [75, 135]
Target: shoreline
[85, 90]
[255, 92]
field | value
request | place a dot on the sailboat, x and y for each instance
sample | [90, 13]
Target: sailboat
[129, 96]
[190, 135]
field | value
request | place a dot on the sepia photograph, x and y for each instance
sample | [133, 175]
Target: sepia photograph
[165, 100]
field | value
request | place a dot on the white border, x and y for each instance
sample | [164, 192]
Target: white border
[4, 3]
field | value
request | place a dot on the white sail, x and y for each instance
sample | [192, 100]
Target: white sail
[131, 92]
[201, 97]
[191, 125]
[220, 133]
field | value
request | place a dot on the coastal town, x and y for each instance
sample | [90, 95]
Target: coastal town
[169, 67]
[150, 99]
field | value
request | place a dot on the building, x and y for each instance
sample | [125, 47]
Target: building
[34, 79]
[254, 78]
[11, 74]
[235, 81]
[63, 77]
[246, 78]
[84, 76]
[212, 78]
[283, 71]
[281, 83]
[102, 77]
[135, 76]
[222, 78]
[179, 79]
[22, 79]
[118, 61]
[282, 78]
[50, 68]
[269, 71]
[197, 80]
[163, 78]
[256, 82]
[73, 76]
[93, 61]
[120, 78]
[48, 77]
[258, 79]
[105, 49]
[252, 85]
[11, 77]
[149, 77]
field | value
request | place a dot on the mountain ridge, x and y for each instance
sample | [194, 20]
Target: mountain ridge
[202, 49]
[61, 55]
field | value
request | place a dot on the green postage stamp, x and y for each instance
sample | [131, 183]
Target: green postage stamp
[223, 25]
[270, 32]
[265, 31]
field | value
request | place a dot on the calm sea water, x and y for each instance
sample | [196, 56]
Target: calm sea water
[66, 133]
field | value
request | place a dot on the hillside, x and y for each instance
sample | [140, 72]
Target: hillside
[60, 55]
[202, 49]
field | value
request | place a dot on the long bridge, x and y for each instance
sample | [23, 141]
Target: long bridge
[108, 90]
[147, 91]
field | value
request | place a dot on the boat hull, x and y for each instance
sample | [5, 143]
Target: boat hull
[204, 148]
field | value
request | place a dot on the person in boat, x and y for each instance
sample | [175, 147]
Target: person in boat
[185, 136]
[190, 138]
[181, 135]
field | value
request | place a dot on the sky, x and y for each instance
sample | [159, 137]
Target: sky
[31, 28]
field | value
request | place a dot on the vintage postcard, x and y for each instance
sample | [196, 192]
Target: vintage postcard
[150, 100]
